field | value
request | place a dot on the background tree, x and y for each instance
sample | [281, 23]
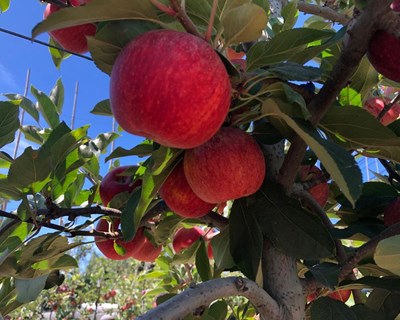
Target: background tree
[296, 93]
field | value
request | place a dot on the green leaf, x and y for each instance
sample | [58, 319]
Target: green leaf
[290, 15]
[128, 218]
[365, 78]
[57, 55]
[166, 227]
[30, 167]
[218, 310]
[25, 104]
[291, 228]
[187, 255]
[57, 95]
[325, 273]
[391, 283]
[142, 150]
[326, 308]
[364, 313]
[95, 11]
[221, 250]
[337, 161]
[291, 71]
[283, 46]
[245, 238]
[350, 97]
[9, 122]
[103, 53]
[4, 5]
[29, 289]
[387, 254]
[102, 108]
[385, 303]
[32, 133]
[8, 191]
[202, 262]
[244, 23]
[355, 128]
[47, 107]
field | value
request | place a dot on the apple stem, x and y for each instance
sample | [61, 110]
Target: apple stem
[183, 18]
[388, 106]
[162, 7]
[211, 21]
[59, 3]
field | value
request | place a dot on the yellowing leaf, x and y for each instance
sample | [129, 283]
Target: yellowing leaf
[387, 254]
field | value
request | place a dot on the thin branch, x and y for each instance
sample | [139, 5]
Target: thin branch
[388, 106]
[211, 21]
[367, 250]
[184, 19]
[324, 12]
[206, 292]
[393, 175]
[162, 7]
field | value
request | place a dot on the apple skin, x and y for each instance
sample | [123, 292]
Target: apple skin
[171, 87]
[340, 295]
[320, 192]
[184, 238]
[115, 182]
[180, 198]
[106, 246]
[72, 38]
[375, 105]
[383, 51]
[229, 166]
[139, 248]
[391, 214]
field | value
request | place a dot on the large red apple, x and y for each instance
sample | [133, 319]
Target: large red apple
[391, 214]
[375, 105]
[229, 166]
[171, 87]
[180, 198]
[383, 51]
[71, 38]
[320, 191]
[116, 182]
[106, 246]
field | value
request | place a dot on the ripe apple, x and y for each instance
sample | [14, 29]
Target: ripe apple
[72, 38]
[320, 191]
[375, 105]
[230, 165]
[106, 246]
[140, 247]
[391, 214]
[341, 295]
[382, 51]
[116, 182]
[184, 238]
[180, 198]
[171, 87]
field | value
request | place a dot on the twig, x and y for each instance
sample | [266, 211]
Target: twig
[367, 249]
[60, 3]
[393, 175]
[388, 106]
[184, 19]
[211, 21]
[205, 293]
[324, 12]
[162, 7]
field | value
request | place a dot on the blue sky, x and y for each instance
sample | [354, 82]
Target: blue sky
[18, 55]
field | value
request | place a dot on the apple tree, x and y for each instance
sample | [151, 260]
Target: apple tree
[253, 122]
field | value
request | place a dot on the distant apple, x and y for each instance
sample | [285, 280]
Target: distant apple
[71, 38]
[229, 166]
[340, 295]
[391, 214]
[320, 191]
[171, 87]
[184, 238]
[375, 105]
[180, 198]
[116, 182]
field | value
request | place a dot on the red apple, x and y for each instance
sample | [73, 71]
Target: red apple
[72, 38]
[106, 246]
[140, 247]
[375, 105]
[145, 250]
[320, 191]
[184, 238]
[341, 295]
[180, 198]
[171, 87]
[383, 49]
[391, 214]
[116, 182]
[231, 165]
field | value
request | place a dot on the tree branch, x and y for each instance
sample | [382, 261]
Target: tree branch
[207, 292]
[324, 12]
[366, 250]
[184, 19]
